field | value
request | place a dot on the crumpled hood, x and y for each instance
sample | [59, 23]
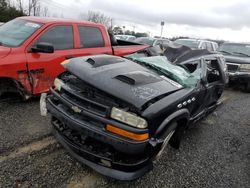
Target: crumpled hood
[121, 78]
[236, 59]
[4, 51]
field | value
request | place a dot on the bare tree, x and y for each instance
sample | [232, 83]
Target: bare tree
[30, 7]
[37, 10]
[45, 12]
[20, 5]
[99, 17]
[33, 6]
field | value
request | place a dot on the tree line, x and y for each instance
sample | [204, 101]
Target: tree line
[10, 9]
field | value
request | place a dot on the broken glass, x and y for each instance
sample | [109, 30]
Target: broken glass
[166, 68]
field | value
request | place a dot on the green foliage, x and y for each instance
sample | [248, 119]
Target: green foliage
[128, 32]
[141, 34]
[7, 12]
[98, 17]
[117, 30]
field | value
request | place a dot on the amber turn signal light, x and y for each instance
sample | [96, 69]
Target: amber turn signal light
[127, 134]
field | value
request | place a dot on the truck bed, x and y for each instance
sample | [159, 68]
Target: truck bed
[122, 48]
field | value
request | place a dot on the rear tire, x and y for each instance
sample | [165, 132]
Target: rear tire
[6, 86]
[8, 89]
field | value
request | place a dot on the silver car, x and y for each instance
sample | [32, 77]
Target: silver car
[198, 44]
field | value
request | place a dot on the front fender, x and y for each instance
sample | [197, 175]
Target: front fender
[159, 137]
[177, 115]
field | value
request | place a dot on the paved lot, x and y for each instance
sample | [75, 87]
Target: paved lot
[216, 153]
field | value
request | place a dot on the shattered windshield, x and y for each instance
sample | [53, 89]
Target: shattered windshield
[166, 68]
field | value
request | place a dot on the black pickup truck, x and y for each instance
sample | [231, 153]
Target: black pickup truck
[237, 57]
[116, 115]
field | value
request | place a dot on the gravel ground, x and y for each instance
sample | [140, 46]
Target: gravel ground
[215, 153]
[20, 123]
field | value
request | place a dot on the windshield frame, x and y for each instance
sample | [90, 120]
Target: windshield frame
[24, 39]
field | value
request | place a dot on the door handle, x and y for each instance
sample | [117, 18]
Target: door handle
[69, 57]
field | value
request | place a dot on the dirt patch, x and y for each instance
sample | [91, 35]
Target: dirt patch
[90, 181]
[28, 149]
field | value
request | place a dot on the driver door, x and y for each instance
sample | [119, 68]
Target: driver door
[43, 68]
[214, 81]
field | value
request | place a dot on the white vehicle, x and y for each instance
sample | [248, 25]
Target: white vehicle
[152, 41]
[125, 37]
[198, 44]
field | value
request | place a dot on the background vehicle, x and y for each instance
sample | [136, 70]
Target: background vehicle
[125, 37]
[118, 118]
[153, 41]
[32, 48]
[237, 57]
[198, 44]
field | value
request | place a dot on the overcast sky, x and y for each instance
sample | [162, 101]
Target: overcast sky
[215, 19]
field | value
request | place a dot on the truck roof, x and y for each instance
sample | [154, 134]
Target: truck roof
[195, 40]
[56, 20]
[242, 43]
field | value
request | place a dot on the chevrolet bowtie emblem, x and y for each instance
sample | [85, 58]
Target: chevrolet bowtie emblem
[76, 109]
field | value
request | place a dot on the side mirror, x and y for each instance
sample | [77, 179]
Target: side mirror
[43, 47]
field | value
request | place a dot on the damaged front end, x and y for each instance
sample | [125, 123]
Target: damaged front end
[96, 112]
[81, 123]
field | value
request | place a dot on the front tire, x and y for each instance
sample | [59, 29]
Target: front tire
[169, 133]
[247, 87]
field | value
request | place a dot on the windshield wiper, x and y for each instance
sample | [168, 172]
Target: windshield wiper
[225, 52]
[240, 53]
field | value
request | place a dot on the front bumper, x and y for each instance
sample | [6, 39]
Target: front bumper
[91, 160]
[108, 154]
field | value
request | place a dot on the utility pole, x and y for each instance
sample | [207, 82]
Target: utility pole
[133, 28]
[162, 25]
[111, 23]
[123, 29]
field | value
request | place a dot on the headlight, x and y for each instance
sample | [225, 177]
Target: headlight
[128, 118]
[58, 84]
[245, 67]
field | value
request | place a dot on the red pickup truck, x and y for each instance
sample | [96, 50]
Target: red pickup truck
[32, 49]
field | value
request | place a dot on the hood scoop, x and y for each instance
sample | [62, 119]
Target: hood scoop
[98, 61]
[138, 78]
[125, 79]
